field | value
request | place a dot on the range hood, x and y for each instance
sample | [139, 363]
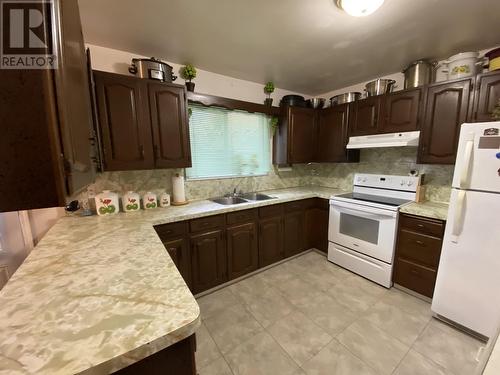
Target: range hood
[384, 140]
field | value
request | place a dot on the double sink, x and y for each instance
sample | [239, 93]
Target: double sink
[241, 198]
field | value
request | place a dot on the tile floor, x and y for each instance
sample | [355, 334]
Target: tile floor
[308, 316]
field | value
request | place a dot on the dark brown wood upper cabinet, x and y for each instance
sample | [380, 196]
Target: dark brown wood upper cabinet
[208, 260]
[333, 128]
[447, 106]
[124, 122]
[302, 134]
[365, 116]
[295, 141]
[143, 124]
[46, 119]
[242, 250]
[169, 121]
[486, 96]
[400, 111]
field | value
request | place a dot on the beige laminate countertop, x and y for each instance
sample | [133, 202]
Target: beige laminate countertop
[433, 210]
[100, 293]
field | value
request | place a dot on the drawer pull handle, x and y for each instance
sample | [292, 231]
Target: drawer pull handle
[420, 243]
[168, 231]
[421, 225]
[415, 272]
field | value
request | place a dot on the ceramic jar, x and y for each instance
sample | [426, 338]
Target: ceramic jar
[106, 203]
[149, 201]
[131, 202]
[165, 200]
[462, 65]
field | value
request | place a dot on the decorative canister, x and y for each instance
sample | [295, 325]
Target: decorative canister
[165, 200]
[149, 201]
[462, 65]
[106, 203]
[131, 202]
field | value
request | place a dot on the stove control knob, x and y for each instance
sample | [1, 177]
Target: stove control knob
[402, 183]
[364, 179]
[410, 183]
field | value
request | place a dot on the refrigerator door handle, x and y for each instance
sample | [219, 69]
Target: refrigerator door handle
[458, 217]
[464, 174]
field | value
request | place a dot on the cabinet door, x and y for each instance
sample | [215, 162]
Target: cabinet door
[208, 260]
[169, 121]
[124, 120]
[486, 96]
[73, 100]
[365, 116]
[400, 112]
[446, 108]
[270, 241]
[317, 228]
[294, 241]
[242, 252]
[179, 252]
[333, 135]
[301, 134]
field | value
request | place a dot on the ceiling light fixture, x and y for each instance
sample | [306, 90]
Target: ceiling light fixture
[359, 8]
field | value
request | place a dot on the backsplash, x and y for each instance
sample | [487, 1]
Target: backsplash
[339, 175]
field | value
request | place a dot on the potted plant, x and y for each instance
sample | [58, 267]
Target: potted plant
[188, 72]
[269, 89]
[273, 124]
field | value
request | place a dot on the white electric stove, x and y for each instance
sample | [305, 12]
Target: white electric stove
[362, 225]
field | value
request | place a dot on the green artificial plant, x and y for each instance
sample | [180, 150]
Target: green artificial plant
[269, 88]
[188, 72]
[273, 123]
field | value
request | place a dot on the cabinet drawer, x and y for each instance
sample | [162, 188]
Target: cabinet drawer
[297, 205]
[417, 278]
[423, 226]
[204, 223]
[419, 248]
[271, 211]
[241, 216]
[166, 231]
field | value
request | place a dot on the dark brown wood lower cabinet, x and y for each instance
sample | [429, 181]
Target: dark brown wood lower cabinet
[208, 260]
[178, 249]
[242, 250]
[418, 250]
[270, 241]
[317, 228]
[294, 239]
[177, 359]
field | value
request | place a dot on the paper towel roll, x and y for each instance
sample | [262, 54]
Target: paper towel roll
[178, 188]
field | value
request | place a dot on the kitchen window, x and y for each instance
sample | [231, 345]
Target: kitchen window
[228, 143]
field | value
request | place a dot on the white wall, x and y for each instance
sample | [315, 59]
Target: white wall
[116, 61]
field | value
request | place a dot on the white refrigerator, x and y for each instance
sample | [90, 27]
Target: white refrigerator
[468, 280]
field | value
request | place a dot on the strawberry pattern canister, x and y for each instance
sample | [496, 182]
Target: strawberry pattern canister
[106, 203]
[149, 201]
[131, 202]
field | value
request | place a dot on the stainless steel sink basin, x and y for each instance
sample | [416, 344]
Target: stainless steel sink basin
[256, 197]
[229, 200]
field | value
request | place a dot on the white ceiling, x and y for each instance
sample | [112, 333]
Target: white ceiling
[307, 46]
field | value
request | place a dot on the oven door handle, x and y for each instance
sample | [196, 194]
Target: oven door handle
[365, 211]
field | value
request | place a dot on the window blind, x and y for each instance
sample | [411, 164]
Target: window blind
[226, 143]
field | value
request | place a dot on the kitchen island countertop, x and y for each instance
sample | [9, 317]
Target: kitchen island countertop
[100, 293]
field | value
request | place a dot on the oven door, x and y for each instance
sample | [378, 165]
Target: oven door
[368, 230]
